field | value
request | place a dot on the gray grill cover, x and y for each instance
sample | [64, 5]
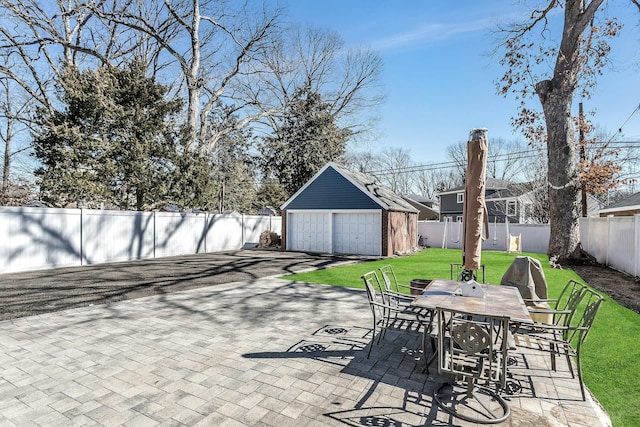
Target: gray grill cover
[526, 274]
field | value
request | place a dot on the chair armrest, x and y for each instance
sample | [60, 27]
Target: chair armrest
[399, 295]
[414, 288]
[539, 300]
[547, 311]
[389, 307]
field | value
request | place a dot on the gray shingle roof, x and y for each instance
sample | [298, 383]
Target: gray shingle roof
[632, 200]
[379, 192]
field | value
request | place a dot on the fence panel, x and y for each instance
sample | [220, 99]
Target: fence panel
[36, 238]
[224, 232]
[254, 225]
[275, 224]
[41, 238]
[594, 237]
[179, 233]
[621, 251]
[438, 234]
[117, 235]
[534, 237]
[613, 241]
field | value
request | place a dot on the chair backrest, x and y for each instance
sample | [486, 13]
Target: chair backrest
[371, 283]
[389, 278]
[569, 299]
[474, 346]
[591, 301]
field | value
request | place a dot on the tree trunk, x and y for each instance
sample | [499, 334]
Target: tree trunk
[193, 84]
[564, 239]
[6, 167]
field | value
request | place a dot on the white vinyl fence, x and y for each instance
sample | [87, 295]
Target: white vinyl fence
[41, 238]
[533, 237]
[613, 241]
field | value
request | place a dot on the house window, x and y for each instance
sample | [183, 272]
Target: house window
[511, 207]
[460, 197]
[528, 213]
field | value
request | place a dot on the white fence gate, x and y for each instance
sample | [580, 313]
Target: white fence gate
[41, 238]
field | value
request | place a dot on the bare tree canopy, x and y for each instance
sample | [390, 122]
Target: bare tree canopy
[506, 159]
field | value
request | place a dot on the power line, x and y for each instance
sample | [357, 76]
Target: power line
[629, 118]
[516, 155]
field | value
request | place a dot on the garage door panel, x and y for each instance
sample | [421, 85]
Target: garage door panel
[357, 233]
[309, 232]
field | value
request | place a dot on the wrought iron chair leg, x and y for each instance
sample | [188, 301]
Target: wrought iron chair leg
[579, 367]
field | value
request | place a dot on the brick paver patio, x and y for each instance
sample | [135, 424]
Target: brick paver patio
[265, 353]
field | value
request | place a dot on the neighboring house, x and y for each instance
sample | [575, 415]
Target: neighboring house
[505, 201]
[427, 209]
[625, 207]
[268, 211]
[341, 211]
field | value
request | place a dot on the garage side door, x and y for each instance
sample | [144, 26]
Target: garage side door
[357, 233]
[308, 232]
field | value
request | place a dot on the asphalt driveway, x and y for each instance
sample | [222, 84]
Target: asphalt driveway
[44, 291]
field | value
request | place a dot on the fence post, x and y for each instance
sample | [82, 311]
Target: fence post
[154, 234]
[636, 242]
[588, 227]
[204, 230]
[606, 257]
[81, 236]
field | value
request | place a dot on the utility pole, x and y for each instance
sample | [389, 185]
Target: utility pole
[583, 159]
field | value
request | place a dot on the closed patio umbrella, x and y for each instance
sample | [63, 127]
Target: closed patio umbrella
[474, 212]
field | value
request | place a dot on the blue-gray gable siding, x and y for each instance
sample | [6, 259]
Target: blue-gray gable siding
[331, 190]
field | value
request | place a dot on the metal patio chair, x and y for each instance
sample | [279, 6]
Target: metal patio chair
[475, 352]
[567, 339]
[383, 307]
[424, 316]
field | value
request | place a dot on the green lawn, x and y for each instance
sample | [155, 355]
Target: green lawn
[611, 355]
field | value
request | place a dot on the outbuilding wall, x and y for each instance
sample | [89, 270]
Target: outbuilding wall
[399, 232]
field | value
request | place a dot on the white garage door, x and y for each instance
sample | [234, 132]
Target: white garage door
[309, 232]
[357, 233]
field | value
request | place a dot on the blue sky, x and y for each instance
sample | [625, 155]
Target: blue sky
[439, 73]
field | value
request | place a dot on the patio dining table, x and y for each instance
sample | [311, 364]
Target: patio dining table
[497, 300]
[447, 294]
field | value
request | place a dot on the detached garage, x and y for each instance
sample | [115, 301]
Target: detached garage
[340, 211]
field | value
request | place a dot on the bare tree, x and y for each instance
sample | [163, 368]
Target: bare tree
[430, 181]
[576, 61]
[43, 39]
[314, 58]
[505, 161]
[14, 108]
[213, 47]
[393, 170]
[360, 161]
[457, 153]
